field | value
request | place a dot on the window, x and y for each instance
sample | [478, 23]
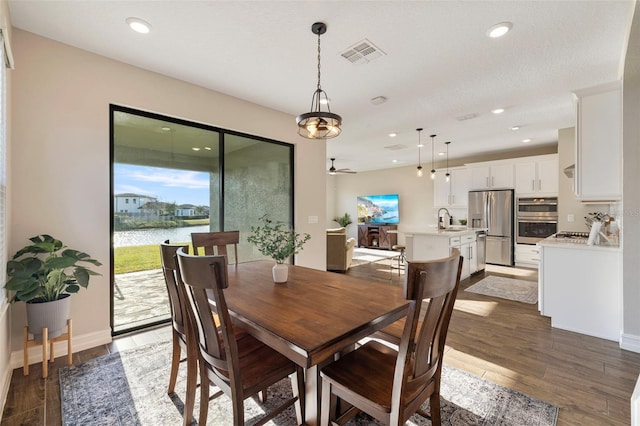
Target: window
[188, 177]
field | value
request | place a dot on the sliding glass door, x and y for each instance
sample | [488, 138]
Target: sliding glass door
[171, 177]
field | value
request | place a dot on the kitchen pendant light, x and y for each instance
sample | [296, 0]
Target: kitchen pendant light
[419, 148]
[433, 170]
[448, 176]
[319, 124]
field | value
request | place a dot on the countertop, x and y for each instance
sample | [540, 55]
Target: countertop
[453, 231]
[580, 244]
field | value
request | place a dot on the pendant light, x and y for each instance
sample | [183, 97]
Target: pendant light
[419, 147]
[448, 176]
[319, 124]
[433, 170]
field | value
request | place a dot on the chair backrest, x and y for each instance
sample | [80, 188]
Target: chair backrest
[204, 277]
[422, 345]
[177, 295]
[218, 240]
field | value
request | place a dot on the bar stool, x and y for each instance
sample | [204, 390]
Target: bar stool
[401, 258]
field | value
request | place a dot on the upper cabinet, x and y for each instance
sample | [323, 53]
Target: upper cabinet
[598, 174]
[537, 176]
[491, 176]
[453, 193]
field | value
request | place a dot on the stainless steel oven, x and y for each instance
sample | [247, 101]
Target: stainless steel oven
[536, 219]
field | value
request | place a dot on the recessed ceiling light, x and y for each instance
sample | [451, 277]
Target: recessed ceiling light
[138, 25]
[441, 154]
[208, 148]
[498, 30]
[514, 128]
[393, 135]
[195, 148]
[394, 161]
[497, 110]
[526, 140]
[166, 128]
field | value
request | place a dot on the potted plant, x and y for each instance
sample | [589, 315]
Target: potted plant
[278, 241]
[344, 221]
[43, 275]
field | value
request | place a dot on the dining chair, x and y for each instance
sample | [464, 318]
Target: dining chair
[391, 384]
[239, 365]
[213, 243]
[183, 338]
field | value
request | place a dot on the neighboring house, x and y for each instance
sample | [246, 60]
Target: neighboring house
[155, 208]
[130, 203]
[186, 210]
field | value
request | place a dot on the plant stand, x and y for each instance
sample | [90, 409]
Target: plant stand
[46, 344]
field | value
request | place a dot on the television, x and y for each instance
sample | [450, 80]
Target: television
[378, 209]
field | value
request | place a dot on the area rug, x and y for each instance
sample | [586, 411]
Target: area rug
[507, 288]
[130, 388]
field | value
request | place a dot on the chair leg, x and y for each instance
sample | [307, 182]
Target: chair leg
[190, 397]
[297, 387]
[204, 396]
[25, 361]
[434, 408]
[45, 358]
[326, 404]
[175, 363]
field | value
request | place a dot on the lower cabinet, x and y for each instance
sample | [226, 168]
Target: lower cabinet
[468, 247]
[527, 255]
[377, 236]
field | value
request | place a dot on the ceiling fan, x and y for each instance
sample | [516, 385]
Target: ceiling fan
[333, 170]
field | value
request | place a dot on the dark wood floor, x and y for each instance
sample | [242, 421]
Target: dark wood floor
[589, 379]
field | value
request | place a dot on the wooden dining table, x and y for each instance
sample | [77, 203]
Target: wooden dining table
[313, 316]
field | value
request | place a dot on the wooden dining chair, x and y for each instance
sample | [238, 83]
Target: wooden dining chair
[240, 365]
[183, 338]
[390, 384]
[212, 243]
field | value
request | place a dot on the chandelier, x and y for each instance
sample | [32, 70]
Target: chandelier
[319, 124]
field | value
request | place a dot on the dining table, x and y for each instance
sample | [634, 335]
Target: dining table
[312, 317]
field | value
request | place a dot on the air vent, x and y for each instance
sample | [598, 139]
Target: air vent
[362, 52]
[395, 147]
[466, 117]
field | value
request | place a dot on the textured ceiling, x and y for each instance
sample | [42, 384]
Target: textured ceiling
[438, 65]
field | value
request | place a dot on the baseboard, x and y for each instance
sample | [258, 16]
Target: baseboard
[630, 342]
[5, 378]
[80, 343]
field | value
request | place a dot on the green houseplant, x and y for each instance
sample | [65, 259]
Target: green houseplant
[278, 241]
[44, 274]
[344, 221]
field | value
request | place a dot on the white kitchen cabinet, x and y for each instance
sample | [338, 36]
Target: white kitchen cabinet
[439, 244]
[527, 255]
[537, 176]
[580, 288]
[598, 173]
[492, 176]
[469, 250]
[453, 193]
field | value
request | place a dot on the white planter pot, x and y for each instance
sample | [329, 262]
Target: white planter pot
[280, 273]
[52, 315]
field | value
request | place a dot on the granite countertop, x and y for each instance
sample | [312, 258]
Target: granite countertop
[578, 244]
[452, 231]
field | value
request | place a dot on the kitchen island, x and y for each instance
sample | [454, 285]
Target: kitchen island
[580, 286]
[435, 243]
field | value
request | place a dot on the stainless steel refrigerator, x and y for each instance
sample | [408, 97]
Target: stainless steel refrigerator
[493, 210]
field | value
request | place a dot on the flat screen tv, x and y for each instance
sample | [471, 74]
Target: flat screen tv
[378, 209]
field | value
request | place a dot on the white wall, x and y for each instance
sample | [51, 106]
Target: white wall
[60, 157]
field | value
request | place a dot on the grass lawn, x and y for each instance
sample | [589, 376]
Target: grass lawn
[137, 258]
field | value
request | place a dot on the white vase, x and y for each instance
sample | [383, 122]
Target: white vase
[280, 273]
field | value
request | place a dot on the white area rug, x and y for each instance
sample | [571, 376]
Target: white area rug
[507, 288]
[373, 255]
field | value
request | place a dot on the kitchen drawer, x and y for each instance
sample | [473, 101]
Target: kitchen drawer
[526, 253]
[468, 238]
[454, 242]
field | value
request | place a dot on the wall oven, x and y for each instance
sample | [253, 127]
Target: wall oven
[536, 219]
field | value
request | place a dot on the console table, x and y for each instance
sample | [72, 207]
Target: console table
[377, 236]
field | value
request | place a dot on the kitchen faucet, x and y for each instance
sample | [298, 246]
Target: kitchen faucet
[444, 223]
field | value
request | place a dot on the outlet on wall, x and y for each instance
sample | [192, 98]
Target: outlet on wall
[570, 218]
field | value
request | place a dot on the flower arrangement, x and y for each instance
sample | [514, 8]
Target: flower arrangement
[276, 239]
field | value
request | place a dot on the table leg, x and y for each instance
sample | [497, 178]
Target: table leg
[313, 395]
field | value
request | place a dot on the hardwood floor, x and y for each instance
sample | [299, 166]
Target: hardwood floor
[506, 342]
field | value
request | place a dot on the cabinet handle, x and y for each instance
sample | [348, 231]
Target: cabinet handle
[470, 253]
[539, 184]
[486, 181]
[453, 200]
[492, 181]
[533, 185]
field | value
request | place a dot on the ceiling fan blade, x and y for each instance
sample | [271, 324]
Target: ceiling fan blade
[346, 171]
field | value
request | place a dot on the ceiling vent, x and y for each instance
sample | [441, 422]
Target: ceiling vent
[467, 117]
[378, 100]
[362, 52]
[395, 147]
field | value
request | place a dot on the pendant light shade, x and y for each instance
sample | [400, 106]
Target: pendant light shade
[419, 148]
[433, 170]
[448, 176]
[319, 124]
